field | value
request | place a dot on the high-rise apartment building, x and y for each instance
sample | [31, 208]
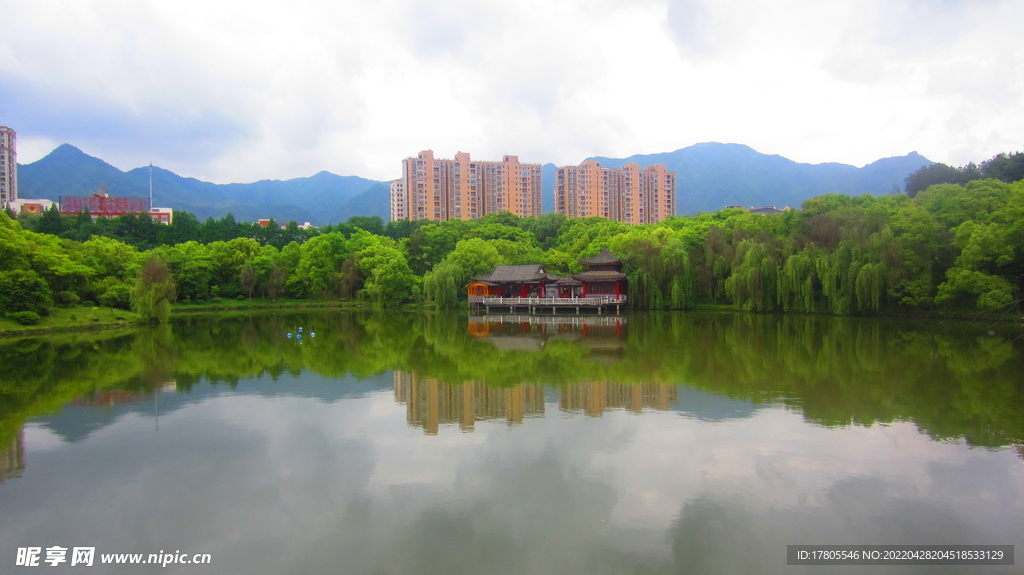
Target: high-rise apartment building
[465, 189]
[629, 194]
[398, 200]
[8, 166]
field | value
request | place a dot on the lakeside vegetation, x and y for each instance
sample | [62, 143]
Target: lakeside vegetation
[952, 380]
[951, 248]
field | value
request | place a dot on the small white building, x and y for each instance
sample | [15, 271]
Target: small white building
[31, 206]
[161, 215]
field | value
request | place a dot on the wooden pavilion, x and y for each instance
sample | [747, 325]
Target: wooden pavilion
[531, 288]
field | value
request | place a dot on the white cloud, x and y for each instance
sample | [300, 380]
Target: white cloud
[232, 91]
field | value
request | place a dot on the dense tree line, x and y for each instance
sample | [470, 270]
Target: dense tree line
[1007, 168]
[952, 247]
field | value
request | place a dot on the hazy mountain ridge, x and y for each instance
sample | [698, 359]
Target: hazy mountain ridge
[67, 171]
[709, 177]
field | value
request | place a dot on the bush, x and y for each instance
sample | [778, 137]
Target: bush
[240, 297]
[26, 317]
[24, 290]
[118, 295]
[67, 298]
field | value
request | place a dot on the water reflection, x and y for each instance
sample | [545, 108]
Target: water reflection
[431, 403]
[953, 380]
[673, 444]
[12, 459]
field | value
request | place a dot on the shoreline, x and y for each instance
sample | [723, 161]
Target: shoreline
[234, 306]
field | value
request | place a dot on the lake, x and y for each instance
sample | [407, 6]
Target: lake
[414, 443]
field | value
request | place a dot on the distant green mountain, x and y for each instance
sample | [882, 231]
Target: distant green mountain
[375, 201]
[710, 176]
[547, 174]
[320, 199]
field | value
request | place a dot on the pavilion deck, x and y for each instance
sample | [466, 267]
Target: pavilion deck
[554, 320]
[596, 303]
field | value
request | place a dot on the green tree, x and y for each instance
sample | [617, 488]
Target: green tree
[24, 290]
[154, 290]
[51, 222]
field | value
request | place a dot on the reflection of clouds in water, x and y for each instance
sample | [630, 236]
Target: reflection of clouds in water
[285, 484]
[38, 438]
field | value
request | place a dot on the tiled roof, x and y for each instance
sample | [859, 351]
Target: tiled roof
[603, 258]
[599, 276]
[519, 273]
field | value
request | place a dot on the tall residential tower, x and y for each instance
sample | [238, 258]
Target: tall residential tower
[630, 194]
[465, 189]
[8, 166]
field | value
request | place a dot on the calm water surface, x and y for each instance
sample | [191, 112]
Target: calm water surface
[419, 444]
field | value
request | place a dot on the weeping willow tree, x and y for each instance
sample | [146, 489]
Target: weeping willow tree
[838, 272]
[154, 290]
[716, 266]
[870, 285]
[797, 281]
[644, 291]
[682, 278]
[441, 285]
[753, 284]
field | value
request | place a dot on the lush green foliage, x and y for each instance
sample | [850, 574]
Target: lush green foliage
[957, 248]
[1007, 168]
[26, 317]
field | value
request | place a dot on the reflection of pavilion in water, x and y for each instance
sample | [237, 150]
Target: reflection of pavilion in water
[429, 403]
[602, 335]
[12, 459]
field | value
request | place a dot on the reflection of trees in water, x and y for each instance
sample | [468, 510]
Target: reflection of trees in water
[952, 379]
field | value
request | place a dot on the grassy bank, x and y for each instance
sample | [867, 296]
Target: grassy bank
[224, 304]
[74, 318]
[219, 304]
[83, 318]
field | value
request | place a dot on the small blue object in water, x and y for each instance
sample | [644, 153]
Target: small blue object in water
[298, 335]
[300, 330]
[311, 334]
[289, 335]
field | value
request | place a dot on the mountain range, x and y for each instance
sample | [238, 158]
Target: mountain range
[709, 176]
[320, 199]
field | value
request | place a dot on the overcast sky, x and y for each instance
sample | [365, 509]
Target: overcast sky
[234, 91]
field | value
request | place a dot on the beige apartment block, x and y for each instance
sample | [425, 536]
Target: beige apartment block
[466, 189]
[8, 166]
[630, 194]
[398, 200]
